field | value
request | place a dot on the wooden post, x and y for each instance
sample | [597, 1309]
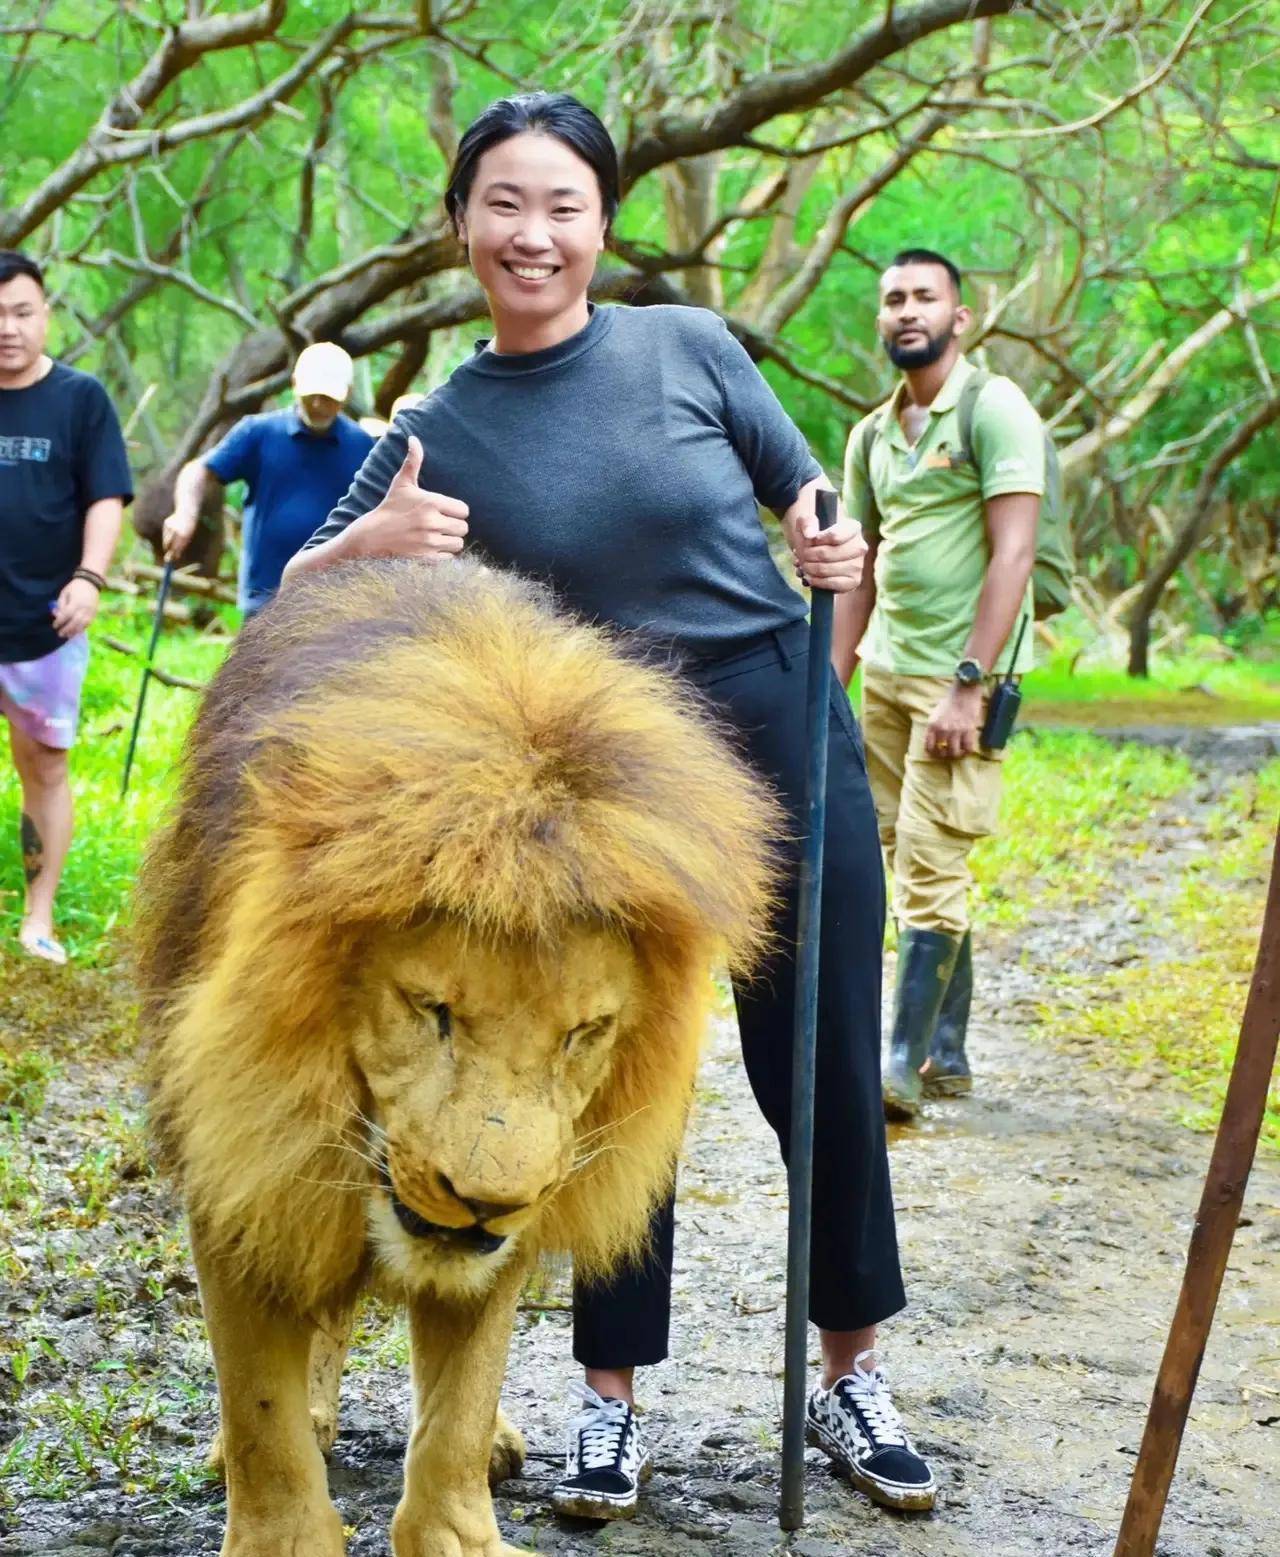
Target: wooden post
[1211, 1239]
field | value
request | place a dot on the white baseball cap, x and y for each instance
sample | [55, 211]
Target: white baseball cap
[323, 369]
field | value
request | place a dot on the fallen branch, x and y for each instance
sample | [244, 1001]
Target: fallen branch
[179, 614]
[189, 583]
[166, 678]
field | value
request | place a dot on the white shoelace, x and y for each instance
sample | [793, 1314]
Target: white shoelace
[599, 1430]
[870, 1388]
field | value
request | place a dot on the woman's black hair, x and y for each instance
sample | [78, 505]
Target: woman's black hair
[548, 113]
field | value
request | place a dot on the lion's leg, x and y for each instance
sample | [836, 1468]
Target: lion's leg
[459, 1358]
[330, 1343]
[277, 1498]
[506, 1457]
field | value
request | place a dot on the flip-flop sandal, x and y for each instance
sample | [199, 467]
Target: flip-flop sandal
[44, 947]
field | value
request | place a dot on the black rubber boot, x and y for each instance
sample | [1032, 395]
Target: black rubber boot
[947, 1073]
[926, 959]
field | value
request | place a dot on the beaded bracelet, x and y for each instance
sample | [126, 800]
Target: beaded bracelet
[90, 577]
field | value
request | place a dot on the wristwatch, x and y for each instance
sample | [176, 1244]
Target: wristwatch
[969, 673]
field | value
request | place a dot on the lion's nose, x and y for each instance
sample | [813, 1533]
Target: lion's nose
[483, 1210]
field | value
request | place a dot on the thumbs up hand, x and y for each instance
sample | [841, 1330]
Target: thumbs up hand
[409, 521]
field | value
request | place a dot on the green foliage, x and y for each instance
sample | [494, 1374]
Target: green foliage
[111, 833]
[1182, 1015]
[1071, 813]
[24, 1076]
[1078, 827]
[1198, 687]
[1106, 246]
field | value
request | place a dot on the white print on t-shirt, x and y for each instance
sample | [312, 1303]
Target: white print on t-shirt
[14, 449]
[1002, 466]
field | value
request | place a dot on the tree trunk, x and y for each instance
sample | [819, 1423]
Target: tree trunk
[1198, 511]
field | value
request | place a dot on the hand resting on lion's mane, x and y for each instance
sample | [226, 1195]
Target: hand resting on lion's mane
[425, 951]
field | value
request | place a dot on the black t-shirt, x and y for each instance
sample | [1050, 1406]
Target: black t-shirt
[61, 449]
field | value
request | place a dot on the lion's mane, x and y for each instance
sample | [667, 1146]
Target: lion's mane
[389, 742]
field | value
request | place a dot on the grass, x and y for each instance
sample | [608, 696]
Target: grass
[84, 1225]
[1182, 1016]
[1070, 817]
[110, 832]
[1206, 685]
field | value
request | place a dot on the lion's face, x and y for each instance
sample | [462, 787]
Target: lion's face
[480, 1059]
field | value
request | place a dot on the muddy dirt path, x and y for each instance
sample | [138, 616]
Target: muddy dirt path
[1043, 1224]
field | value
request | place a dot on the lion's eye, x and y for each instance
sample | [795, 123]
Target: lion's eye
[588, 1032]
[427, 1005]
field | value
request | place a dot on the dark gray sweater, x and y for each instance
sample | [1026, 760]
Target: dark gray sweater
[623, 467]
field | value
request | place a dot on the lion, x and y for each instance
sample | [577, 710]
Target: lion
[425, 953]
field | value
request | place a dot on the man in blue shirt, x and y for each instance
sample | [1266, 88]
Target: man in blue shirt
[297, 464]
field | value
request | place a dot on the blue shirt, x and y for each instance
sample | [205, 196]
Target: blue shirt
[624, 467]
[294, 476]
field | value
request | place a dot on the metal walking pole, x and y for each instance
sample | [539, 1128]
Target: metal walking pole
[166, 578]
[804, 1047]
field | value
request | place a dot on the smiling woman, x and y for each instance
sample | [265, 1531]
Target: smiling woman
[532, 193]
[622, 455]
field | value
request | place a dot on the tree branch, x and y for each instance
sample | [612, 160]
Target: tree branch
[1191, 530]
[1132, 412]
[787, 302]
[1108, 110]
[786, 91]
[115, 142]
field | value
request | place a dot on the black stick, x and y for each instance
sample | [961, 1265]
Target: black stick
[166, 578]
[804, 1047]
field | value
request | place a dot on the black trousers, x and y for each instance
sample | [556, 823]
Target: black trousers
[855, 1277]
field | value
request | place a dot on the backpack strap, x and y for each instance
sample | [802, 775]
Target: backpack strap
[965, 407]
[867, 435]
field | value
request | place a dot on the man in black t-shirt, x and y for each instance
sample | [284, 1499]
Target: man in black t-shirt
[64, 481]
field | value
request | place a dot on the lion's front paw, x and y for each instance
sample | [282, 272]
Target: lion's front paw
[325, 1424]
[506, 1458]
[455, 1527]
[439, 1541]
[314, 1534]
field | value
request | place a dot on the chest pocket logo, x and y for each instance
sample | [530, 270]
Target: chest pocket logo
[35, 450]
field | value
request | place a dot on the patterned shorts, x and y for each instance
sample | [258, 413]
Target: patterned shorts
[42, 697]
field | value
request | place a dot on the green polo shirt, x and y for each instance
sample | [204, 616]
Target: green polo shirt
[926, 511]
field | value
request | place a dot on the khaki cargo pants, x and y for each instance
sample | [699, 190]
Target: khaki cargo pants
[930, 810]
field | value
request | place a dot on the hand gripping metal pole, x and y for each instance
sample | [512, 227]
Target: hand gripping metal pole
[166, 578]
[804, 1046]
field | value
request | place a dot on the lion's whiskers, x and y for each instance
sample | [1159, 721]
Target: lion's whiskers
[580, 1162]
[612, 1124]
[359, 1185]
[369, 1145]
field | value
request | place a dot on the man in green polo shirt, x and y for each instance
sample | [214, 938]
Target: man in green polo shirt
[946, 584]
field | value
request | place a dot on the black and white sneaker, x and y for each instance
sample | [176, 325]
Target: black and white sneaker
[856, 1423]
[605, 1461]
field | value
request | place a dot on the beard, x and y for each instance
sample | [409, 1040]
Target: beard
[923, 356]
